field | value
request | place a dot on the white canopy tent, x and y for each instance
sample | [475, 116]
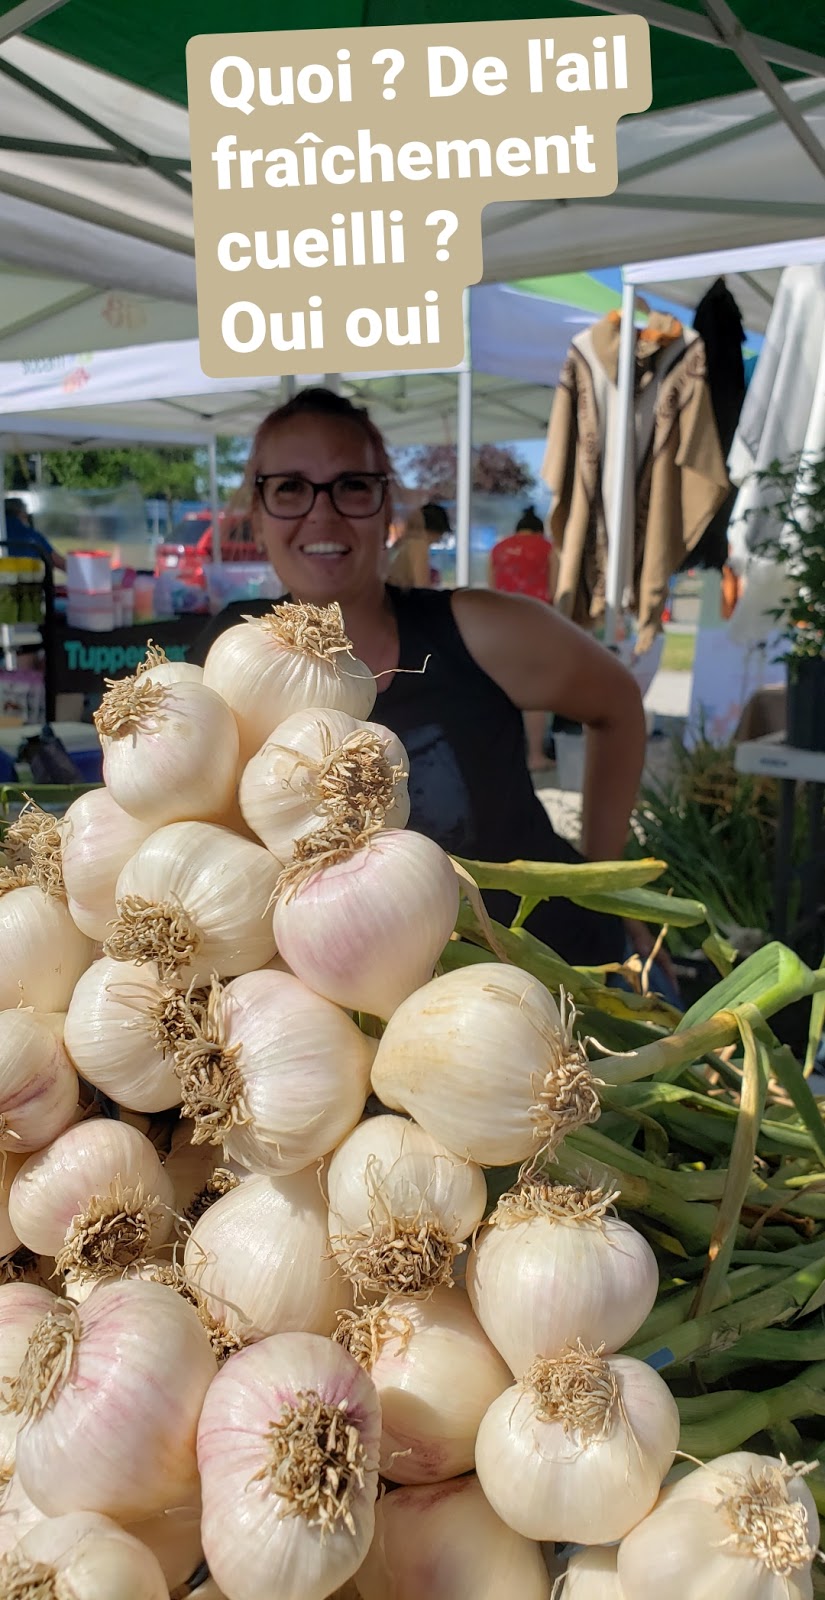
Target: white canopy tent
[121, 271]
[518, 342]
[690, 269]
[76, 143]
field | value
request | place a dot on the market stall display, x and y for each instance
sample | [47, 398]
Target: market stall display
[526, 1296]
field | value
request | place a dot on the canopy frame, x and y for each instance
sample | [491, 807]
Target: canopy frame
[25, 15]
[676, 19]
[720, 27]
[732, 33]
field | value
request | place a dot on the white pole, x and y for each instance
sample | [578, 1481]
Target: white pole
[9, 657]
[214, 504]
[332, 380]
[464, 458]
[619, 521]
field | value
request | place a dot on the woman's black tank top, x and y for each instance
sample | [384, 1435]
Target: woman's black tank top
[470, 788]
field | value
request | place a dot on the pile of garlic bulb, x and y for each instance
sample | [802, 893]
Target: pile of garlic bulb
[259, 1341]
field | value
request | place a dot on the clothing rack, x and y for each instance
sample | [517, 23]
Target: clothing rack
[712, 264]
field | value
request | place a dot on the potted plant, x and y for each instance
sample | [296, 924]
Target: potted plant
[796, 493]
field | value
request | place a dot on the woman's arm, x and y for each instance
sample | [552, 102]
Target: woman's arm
[552, 570]
[546, 663]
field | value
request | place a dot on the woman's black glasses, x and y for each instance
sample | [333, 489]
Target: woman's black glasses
[353, 494]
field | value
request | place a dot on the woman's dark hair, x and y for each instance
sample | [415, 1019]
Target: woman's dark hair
[435, 519]
[528, 522]
[317, 402]
[320, 402]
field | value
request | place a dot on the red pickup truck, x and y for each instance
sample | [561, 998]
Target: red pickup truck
[189, 546]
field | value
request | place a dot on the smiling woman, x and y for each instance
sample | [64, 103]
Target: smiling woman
[455, 670]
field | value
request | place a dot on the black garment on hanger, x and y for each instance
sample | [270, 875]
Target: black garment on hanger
[718, 321]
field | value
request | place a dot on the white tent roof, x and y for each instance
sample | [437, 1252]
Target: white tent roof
[122, 271]
[518, 340]
[52, 431]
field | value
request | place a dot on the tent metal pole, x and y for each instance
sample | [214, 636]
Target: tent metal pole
[25, 15]
[619, 525]
[6, 635]
[464, 457]
[214, 503]
[746, 49]
[132, 152]
[677, 19]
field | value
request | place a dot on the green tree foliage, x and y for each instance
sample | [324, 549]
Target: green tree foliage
[166, 473]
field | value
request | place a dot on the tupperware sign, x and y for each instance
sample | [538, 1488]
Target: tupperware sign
[339, 177]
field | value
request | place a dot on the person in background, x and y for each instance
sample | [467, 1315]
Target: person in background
[455, 670]
[410, 563]
[21, 530]
[526, 563]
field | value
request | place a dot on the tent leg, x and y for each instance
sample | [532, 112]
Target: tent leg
[619, 525]
[464, 459]
[214, 504]
[7, 652]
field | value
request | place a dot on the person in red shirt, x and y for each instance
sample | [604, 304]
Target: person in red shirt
[525, 563]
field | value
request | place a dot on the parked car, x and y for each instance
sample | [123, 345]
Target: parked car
[188, 549]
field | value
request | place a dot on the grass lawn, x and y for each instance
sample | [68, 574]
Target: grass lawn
[679, 651]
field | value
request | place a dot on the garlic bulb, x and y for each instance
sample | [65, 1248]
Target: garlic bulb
[436, 1374]
[38, 1084]
[107, 1426]
[743, 1526]
[316, 765]
[387, 910]
[260, 1258]
[275, 1073]
[446, 1543]
[97, 1199]
[552, 1265]
[118, 1034]
[174, 1538]
[287, 1448]
[22, 1305]
[98, 839]
[9, 1167]
[400, 1205]
[484, 1061]
[195, 900]
[297, 657]
[42, 951]
[85, 1556]
[170, 750]
[576, 1453]
[592, 1574]
[17, 1515]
